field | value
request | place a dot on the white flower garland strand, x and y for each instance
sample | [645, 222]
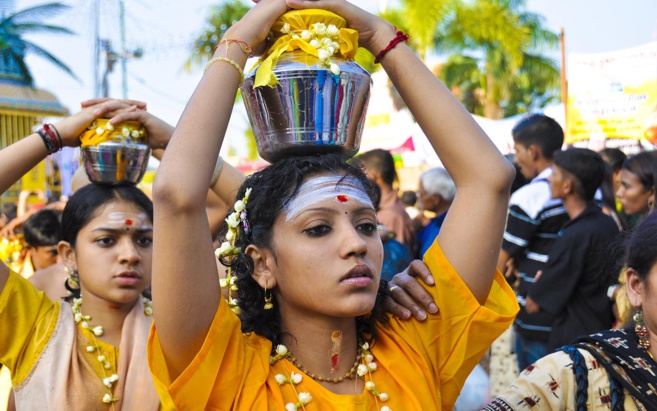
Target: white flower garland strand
[97, 331]
[366, 368]
[228, 249]
[324, 39]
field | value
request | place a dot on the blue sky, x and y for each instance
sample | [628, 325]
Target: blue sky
[164, 29]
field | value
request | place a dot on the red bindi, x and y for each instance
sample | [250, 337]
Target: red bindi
[128, 222]
[343, 198]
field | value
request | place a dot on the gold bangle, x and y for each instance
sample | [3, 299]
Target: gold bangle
[229, 61]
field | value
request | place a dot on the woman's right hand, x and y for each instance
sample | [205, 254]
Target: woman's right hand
[254, 27]
[70, 128]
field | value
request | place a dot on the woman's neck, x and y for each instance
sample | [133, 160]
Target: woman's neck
[314, 343]
[109, 316]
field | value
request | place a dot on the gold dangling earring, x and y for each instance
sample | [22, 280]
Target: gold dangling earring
[268, 304]
[641, 330]
[72, 283]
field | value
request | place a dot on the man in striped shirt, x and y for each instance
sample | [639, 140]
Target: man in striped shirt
[534, 220]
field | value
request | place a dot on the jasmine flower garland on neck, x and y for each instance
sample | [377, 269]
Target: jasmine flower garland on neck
[97, 331]
[304, 398]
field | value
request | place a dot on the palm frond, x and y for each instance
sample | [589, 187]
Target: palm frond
[10, 54]
[37, 28]
[423, 17]
[219, 19]
[36, 50]
[35, 13]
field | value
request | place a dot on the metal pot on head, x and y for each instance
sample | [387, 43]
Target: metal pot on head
[115, 155]
[310, 103]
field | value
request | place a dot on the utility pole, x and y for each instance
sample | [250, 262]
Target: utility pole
[564, 80]
[124, 66]
[104, 47]
[96, 36]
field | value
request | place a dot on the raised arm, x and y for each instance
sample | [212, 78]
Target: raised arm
[228, 180]
[472, 233]
[22, 156]
[186, 291]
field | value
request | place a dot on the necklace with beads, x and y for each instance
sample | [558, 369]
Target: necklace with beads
[109, 378]
[363, 367]
[350, 374]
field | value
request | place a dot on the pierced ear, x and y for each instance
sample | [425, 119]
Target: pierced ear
[67, 253]
[635, 287]
[263, 266]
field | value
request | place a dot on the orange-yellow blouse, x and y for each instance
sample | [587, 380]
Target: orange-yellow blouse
[421, 365]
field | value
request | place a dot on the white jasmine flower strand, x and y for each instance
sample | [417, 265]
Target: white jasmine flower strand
[95, 349]
[324, 39]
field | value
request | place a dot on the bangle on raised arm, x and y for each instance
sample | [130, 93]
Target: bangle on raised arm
[229, 61]
[50, 140]
[217, 170]
[50, 128]
[400, 37]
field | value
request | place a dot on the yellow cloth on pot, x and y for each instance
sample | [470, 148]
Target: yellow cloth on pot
[301, 24]
[100, 131]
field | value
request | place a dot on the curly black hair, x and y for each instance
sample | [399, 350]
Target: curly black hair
[272, 188]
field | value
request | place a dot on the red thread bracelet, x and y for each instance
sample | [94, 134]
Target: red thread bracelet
[401, 36]
[50, 134]
[52, 131]
[243, 45]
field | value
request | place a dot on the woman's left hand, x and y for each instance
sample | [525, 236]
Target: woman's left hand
[408, 296]
[159, 131]
[71, 127]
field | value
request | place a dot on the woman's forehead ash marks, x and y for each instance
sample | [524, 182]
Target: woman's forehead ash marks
[318, 189]
[127, 220]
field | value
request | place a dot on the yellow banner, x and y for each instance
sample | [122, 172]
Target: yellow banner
[612, 99]
[35, 179]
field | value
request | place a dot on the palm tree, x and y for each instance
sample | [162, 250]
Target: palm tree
[422, 20]
[14, 47]
[220, 18]
[505, 40]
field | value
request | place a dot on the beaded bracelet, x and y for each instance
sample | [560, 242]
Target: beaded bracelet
[53, 133]
[229, 61]
[51, 146]
[243, 45]
[401, 36]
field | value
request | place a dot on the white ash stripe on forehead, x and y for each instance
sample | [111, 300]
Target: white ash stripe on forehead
[123, 219]
[322, 188]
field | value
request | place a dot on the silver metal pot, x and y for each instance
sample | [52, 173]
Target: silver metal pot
[311, 111]
[116, 163]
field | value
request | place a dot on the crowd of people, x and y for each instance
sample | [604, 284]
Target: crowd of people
[308, 286]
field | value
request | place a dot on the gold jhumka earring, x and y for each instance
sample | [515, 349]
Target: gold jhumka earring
[268, 304]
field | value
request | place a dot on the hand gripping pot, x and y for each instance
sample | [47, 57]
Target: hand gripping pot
[116, 154]
[307, 95]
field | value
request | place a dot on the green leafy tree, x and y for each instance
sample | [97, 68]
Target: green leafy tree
[14, 47]
[219, 19]
[422, 20]
[505, 41]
